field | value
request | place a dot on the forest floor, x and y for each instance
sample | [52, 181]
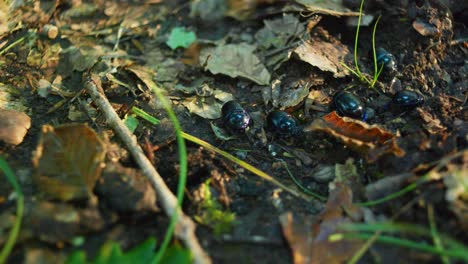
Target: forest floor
[393, 185]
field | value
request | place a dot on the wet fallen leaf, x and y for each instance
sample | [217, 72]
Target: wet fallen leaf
[308, 237]
[68, 161]
[235, 60]
[13, 126]
[324, 55]
[370, 140]
[329, 7]
[126, 189]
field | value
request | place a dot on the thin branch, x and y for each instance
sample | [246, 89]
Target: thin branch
[185, 229]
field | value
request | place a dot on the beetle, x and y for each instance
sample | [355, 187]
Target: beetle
[347, 104]
[386, 60]
[235, 117]
[282, 123]
[407, 99]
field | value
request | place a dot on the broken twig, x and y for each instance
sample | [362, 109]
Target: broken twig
[185, 229]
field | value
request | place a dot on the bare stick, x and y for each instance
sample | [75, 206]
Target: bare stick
[185, 229]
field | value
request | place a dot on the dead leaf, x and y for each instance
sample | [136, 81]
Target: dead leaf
[433, 125]
[235, 60]
[309, 237]
[370, 140]
[278, 32]
[58, 222]
[68, 161]
[324, 55]
[286, 94]
[13, 126]
[126, 189]
[329, 7]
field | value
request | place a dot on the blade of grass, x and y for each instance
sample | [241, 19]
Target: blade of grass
[182, 175]
[302, 187]
[404, 243]
[356, 39]
[19, 211]
[141, 113]
[244, 164]
[435, 235]
[374, 54]
[407, 189]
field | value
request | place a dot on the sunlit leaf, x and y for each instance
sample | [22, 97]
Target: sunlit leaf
[372, 141]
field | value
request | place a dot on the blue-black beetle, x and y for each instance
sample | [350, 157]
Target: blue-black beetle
[235, 117]
[347, 104]
[407, 99]
[282, 123]
[387, 61]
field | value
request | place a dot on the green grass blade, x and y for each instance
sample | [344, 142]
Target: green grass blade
[141, 113]
[245, 165]
[435, 235]
[19, 211]
[374, 54]
[460, 254]
[407, 189]
[302, 187]
[182, 175]
[356, 39]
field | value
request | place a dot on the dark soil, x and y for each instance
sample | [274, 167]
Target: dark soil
[436, 66]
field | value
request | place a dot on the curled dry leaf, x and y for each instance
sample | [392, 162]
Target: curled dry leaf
[309, 237]
[13, 126]
[370, 140]
[329, 7]
[324, 55]
[68, 161]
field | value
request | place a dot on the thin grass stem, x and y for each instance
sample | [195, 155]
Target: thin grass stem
[12, 236]
[182, 176]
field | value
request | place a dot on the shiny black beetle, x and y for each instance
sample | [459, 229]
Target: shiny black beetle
[347, 104]
[407, 99]
[387, 61]
[282, 123]
[235, 117]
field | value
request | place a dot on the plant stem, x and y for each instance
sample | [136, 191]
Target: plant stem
[356, 39]
[19, 211]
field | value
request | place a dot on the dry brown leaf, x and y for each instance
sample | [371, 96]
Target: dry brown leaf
[329, 7]
[13, 126]
[309, 237]
[370, 140]
[68, 161]
[325, 56]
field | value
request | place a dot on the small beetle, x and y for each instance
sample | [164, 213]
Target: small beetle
[387, 61]
[235, 117]
[347, 104]
[407, 99]
[282, 123]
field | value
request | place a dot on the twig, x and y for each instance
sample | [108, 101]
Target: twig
[185, 229]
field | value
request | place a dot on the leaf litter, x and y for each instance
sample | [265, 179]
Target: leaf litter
[127, 45]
